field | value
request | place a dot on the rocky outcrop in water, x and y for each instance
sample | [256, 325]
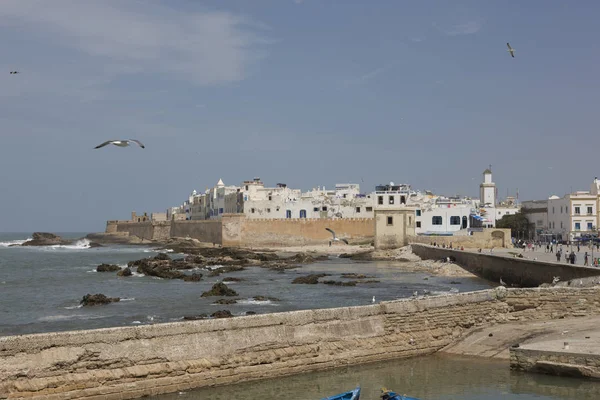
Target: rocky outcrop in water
[216, 314]
[97, 299]
[125, 272]
[219, 289]
[107, 268]
[312, 279]
[162, 266]
[46, 239]
[340, 283]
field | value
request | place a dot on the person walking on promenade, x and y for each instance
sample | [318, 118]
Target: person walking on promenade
[585, 259]
[558, 256]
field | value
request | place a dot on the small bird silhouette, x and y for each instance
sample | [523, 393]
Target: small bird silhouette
[14, 72]
[121, 143]
[511, 50]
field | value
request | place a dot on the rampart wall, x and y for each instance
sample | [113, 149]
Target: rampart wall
[208, 231]
[514, 271]
[487, 239]
[131, 362]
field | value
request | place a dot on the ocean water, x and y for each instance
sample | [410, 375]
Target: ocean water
[40, 290]
[41, 287]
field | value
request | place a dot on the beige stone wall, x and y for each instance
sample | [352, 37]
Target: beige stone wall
[208, 231]
[489, 238]
[396, 234]
[294, 232]
[143, 230]
[130, 362]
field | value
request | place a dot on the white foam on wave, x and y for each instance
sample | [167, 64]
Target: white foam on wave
[256, 302]
[137, 274]
[73, 307]
[136, 322]
[78, 245]
[128, 299]
[14, 242]
[55, 318]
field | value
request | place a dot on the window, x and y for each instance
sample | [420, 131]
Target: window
[418, 224]
[465, 222]
[302, 213]
[246, 187]
[252, 210]
[390, 220]
[379, 199]
[357, 209]
[268, 210]
[316, 209]
[402, 200]
[436, 220]
[391, 199]
[561, 209]
[552, 210]
[369, 209]
[270, 198]
[577, 226]
[590, 226]
[454, 220]
[418, 213]
[590, 210]
[409, 220]
[288, 213]
[344, 195]
[561, 224]
[577, 210]
[324, 208]
[220, 211]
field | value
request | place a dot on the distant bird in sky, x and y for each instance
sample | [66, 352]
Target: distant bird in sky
[121, 143]
[511, 50]
[335, 238]
[14, 72]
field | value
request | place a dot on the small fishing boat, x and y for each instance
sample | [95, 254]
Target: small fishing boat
[351, 395]
[389, 395]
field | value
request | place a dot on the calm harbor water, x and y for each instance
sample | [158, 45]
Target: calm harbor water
[40, 288]
[437, 377]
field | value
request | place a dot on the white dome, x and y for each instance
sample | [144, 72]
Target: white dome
[553, 197]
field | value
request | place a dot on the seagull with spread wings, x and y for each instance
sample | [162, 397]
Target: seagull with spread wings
[335, 238]
[121, 143]
[511, 50]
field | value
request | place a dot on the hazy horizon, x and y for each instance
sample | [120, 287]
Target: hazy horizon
[305, 92]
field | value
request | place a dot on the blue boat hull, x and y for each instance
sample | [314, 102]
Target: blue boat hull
[395, 396]
[351, 395]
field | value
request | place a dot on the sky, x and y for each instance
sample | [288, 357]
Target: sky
[306, 92]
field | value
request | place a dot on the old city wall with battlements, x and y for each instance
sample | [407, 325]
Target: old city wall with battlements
[131, 362]
[237, 230]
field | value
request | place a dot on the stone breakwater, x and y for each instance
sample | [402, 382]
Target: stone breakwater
[130, 362]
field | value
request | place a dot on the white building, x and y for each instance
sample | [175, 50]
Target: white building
[536, 212]
[490, 211]
[575, 214]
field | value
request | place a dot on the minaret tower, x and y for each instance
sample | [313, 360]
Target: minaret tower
[487, 190]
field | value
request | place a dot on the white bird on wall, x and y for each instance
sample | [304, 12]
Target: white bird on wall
[121, 143]
[555, 280]
[335, 238]
[502, 282]
[373, 301]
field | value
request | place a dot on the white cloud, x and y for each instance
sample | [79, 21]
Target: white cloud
[466, 28]
[203, 47]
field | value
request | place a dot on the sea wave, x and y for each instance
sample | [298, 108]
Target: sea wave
[256, 302]
[55, 318]
[78, 245]
[14, 242]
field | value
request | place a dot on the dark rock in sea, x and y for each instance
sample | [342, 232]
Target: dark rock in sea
[97, 299]
[250, 312]
[162, 256]
[125, 272]
[265, 298]
[219, 289]
[224, 270]
[369, 281]
[45, 239]
[95, 244]
[303, 258]
[340, 283]
[312, 279]
[222, 314]
[455, 282]
[362, 256]
[195, 317]
[107, 268]
[160, 270]
[195, 277]
[232, 279]
[355, 276]
[226, 301]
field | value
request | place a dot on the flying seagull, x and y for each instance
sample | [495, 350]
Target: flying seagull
[335, 238]
[14, 72]
[511, 50]
[121, 143]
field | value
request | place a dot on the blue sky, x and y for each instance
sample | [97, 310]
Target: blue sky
[309, 92]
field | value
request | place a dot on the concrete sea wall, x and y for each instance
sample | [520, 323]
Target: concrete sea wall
[130, 362]
[487, 239]
[512, 270]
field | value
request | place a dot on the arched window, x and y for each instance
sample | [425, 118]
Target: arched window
[436, 220]
[302, 213]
